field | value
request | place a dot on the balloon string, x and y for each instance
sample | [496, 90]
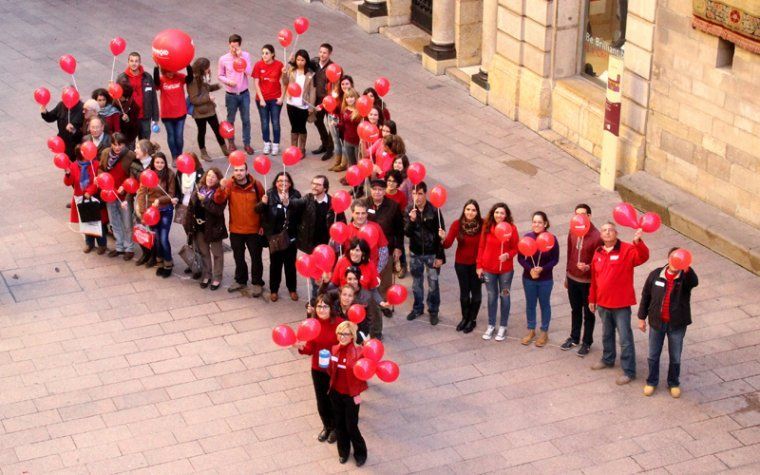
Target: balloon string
[500, 254]
[227, 170]
[296, 41]
[75, 82]
[167, 194]
[580, 247]
[113, 67]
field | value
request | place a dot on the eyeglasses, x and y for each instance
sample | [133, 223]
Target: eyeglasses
[345, 334]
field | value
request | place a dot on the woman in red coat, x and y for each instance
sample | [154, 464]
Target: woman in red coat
[345, 391]
[319, 376]
[357, 256]
[81, 177]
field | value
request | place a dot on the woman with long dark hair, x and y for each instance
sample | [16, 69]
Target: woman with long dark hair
[379, 104]
[204, 107]
[339, 89]
[267, 75]
[300, 108]
[204, 221]
[116, 160]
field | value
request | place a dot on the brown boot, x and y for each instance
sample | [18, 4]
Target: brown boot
[543, 338]
[338, 159]
[204, 155]
[225, 150]
[302, 143]
[528, 337]
[342, 166]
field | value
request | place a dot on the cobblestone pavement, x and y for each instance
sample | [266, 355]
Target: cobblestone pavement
[106, 368]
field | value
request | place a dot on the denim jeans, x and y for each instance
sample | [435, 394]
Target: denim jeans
[121, 224]
[240, 102]
[270, 112]
[102, 240]
[350, 151]
[675, 346]
[418, 265]
[497, 286]
[620, 319]
[332, 126]
[164, 248]
[538, 291]
[175, 135]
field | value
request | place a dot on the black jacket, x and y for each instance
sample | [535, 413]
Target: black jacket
[306, 209]
[214, 228]
[62, 117]
[150, 98]
[423, 232]
[680, 298]
[391, 220]
[273, 214]
[320, 79]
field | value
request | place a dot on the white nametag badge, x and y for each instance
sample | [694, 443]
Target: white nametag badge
[659, 284]
[614, 257]
[279, 206]
[334, 358]
[342, 366]
[371, 211]
[148, 89]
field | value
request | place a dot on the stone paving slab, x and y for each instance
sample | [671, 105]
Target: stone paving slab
[124, 372]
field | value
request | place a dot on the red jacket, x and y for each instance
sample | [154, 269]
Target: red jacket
[467, 246]
[374, 252]
[72, 180]
[342, 364]
[612, 274]
[491, 248]
[368, 270]
[324, 341]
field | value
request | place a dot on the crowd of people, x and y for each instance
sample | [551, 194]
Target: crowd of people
[392, 228]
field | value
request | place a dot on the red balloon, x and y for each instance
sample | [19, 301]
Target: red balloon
[364, 105]
[341, 200]
[438, 196]
[366, 166]
[115, 91]
[69, 97]
[173, 50]
[368, 132]
[333, 72]
[369, 234]
[151, 216]
[303, 265]
[323, 257]
[354, 175]
[56, 144]
[149, 179]
[680, 259]
[294, 90]
[329, 103]
[527, 246]
[117, 45]
[285, 37]
[650, 222]
[382, 86]
[130, 185]
[185, 163]
[42, 96]
[579, 225]
[314, 271]
[239, 65]
[339, 232]
[356, 313]
[396, 294]
[364, 369]
[625, 215]
[292, 155]
[61, 160]
[67, 63]
[108, 196]
[301, 24]
[226, 130]
[89, 150]
[104, 181]
[308, 329]
[545, 242]
[283, 335]
[373, 349]
[503, 231]
[387, 371]
[416, 172]
[385, 161]
[237, 158]
[262, 164]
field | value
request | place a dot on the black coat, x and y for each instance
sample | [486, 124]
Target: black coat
[62, 117]
[391, 220]
[653, 294]
[320, 79]
[423, 232]
[273, 214]
[306, 209]
[214, 228]
[150, 98]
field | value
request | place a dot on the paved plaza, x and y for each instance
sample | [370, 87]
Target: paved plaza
[106, 368]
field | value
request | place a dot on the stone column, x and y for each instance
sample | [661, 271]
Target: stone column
[488, 47]
[441, 53]
[372, 15]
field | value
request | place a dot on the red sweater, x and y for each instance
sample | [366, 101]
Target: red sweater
[341, 370]
[490, 248]
[324, 341]
[467, 246]
[368, 270]
[669, 281]
[348, 127]
[612, 274]
[173, 105]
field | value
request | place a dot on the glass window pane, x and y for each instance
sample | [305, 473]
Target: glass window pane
[604, 35]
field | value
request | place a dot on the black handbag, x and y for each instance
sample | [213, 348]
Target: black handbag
[89, 210]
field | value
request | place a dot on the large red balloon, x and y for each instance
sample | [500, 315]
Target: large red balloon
[173, 50]
[67, 63]
[527, 246]
[650, 222]
[382, 86]
[368, 132]
[339, 232]
[292, 155]
[356, 313]
[341, 200]
[239, 64]
[283, 335]
[115, 91]
[369, 234]
[364, 105]
[104, 181]
[625, 215]
[396, 294]
[579, 225]
[89, 150]
[438, 196]
[303, 265]
[365, 368]
[285, 37]
[69, 97]
[680, 259]
[56, 144]
[329, 103]
[117, 45]
[130, 185]
[308, 329]
[109, 196]
[186, 163]
[366, 166]
[385, 161]
[151, 216]
[237, 158]
[503, 231]
[42, 96]
[323, 256]
[301, 24]
[373, 349]
[61, 160]
[545, 242]
[262, 164]
[354, 175]
[226, 130]
[294, 90]
[149, 179]
[333, 72]
[387, 371]
[416, 172]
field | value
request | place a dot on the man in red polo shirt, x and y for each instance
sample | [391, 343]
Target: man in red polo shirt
[378, 254]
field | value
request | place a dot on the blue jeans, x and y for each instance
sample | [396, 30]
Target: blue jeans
[121, 224]
[175, 135]
[270, 112]
[619, 318]
[164, 248]
[102, 240]
[497, 286]
[538, 291]
[675, 346]
[418, 265]
[332, 126]
[240, 102]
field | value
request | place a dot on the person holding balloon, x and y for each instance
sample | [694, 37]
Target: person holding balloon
[666, 303]
[377, 102]
[321, 84]
[80, 176]
[108, 111]
[129, 124]
[300, 95]
[116, 161]
[350, 118]
[144, 93]
[204, 106]
[173, 105]
[235, 67]
[538, 280]
[68, 115]
[189, 174]
[341, 84]
[353, 290]
[144, 150]
[267, 75]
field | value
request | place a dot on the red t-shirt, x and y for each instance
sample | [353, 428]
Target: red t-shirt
[269, 79]
[173, 105]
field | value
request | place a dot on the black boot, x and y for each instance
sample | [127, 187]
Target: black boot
[473, 316]
[464, 304]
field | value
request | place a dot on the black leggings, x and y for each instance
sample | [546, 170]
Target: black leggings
[347, 426]
[213, 121]
[277, 260]
[297, 117]
[470, 291]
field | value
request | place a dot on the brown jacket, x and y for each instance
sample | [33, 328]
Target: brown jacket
[309, 93]
[200, 98]
[146, 196]
[244, 219]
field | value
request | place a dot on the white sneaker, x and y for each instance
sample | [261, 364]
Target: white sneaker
[489, 332]
[275, 149]
[502, 335]
[267, 148]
